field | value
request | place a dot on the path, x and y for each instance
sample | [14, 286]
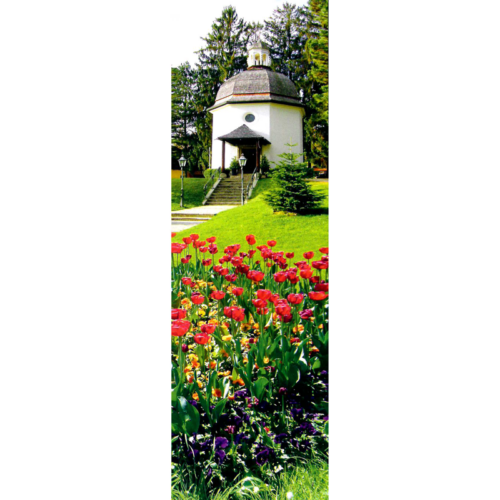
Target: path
[190, 217]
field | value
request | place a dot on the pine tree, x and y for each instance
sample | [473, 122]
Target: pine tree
[316, 123]
[290, 191]
[286, 35]
[184, 138]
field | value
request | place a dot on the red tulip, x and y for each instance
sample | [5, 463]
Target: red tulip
[180, 327]
[259, 303]
[251, 239]
[217, 294]
[208, 329]
[302, 264]
[187, 240]
[187, 281]
[314, 279]
[287, 318]
[264, 294]
[201, 339]
[251, 253]
[306, 273]
[319, 264]
[261, 247]
[197, 298]
[203, 249]
[321, 287]
[194, 237]
[255, 276]
[318, 295]
[290, 255]
[212, 248]
[206, 262]
[306, 314]
[174, 235]
[186, 259]
[177, 247]
[231, 277]
[271, 243]
[178, 313]
[262, 311]
[308, 255]
[324, 250]
[211, 239]
[293, 278]
[235, 313]
[237, 291]
[279, 277]
[274, 298]
[282, 308]
[295, 298]
[295, 339]
[199, 243]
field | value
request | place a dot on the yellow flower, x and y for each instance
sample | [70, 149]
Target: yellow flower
[245, 360]
[201, 312]
[193, 356]
[299, 328]
[245, 327]
[244, 342]
[213, 364]
[266, 360]
[187, 369]
[195, 396]
[195, 364]
[200, 385]
[212, 313]
[213, 322]
[226, 338]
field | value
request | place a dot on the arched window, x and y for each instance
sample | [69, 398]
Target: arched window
[263, 58]
[257, 58]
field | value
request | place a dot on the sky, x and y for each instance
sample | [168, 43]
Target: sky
[192, 19]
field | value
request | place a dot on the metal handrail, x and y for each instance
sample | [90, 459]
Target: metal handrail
[212, 179]
[251, 185]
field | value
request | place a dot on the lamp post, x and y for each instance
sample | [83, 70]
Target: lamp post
[243, 162]
[182, 163]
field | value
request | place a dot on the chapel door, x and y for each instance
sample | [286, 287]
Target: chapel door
[251, 156]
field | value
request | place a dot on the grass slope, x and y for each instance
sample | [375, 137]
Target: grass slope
[305, 482]
[297, 234]
[193, 193]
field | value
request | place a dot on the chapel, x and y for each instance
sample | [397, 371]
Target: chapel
[256, 112]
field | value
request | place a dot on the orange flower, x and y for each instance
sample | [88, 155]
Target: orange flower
[195, 363]
[195, 396]
[213, 364]
[217, 393]
[231, 397]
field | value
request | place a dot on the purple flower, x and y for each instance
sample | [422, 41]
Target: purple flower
[221, 442]
[240, 438]
[281, 437]
[262, 457]
[296, 412]
[241, 394]
[282, 390]
[325, 417]
[220, 455]
[231, 429]
[184, 348]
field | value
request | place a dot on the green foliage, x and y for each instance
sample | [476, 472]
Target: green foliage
[265, 166]
[193, 193]
[291, 192]
[316, 123]
[234, 166]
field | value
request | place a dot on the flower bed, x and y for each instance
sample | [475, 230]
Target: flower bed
[249, 359]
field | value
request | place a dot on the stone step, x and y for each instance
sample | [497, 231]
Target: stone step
[180, 215]
[182, 220]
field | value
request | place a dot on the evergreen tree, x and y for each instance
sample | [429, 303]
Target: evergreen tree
[184, 138]
[316, 123]
[290, 191]
[286, 35]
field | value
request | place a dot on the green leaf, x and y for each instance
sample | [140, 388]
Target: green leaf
[219, 408]
[293, 375]
[193, 422]
[260, 386]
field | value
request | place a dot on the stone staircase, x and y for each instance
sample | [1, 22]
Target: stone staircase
[188, 219]
[228, 192]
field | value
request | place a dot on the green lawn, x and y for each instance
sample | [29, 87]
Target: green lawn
[297, 234]
[305, 482]
[193, 193]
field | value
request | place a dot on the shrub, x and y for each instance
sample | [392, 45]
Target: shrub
[265, 166]
[291, 192]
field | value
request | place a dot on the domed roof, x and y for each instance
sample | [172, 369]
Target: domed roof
[257, 84]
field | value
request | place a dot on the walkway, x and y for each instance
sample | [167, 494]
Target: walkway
[190, 217]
